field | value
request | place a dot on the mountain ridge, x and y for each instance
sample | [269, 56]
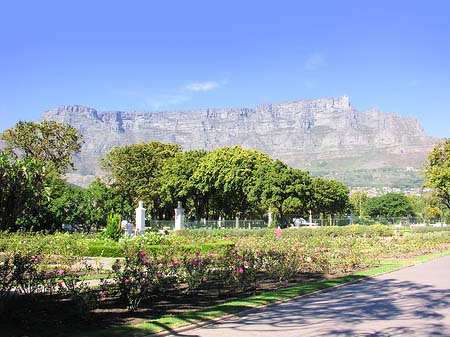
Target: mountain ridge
[321, 135]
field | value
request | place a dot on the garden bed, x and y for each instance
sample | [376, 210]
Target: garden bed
[45, 294]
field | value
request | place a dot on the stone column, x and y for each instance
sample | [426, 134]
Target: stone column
[237, 222]
[310, 218]
[219, 223]
[270, 218]
[140, 218]
[179, 217]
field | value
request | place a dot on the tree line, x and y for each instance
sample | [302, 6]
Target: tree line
[228, 182]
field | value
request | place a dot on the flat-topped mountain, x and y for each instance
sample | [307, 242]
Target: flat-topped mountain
[325, 136]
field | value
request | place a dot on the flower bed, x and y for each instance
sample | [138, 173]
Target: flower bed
[184, 268]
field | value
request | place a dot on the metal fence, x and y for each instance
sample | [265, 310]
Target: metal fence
[208, 224]
[291, 221]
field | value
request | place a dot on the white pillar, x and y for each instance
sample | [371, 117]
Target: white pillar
[179, 217]
[310, 218]
[237, 222]
[140, 218]
[270, 218]
[219, 224]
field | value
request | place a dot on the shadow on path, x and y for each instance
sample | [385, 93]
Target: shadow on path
[338, 312]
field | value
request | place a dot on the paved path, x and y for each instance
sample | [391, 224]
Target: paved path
[411, 302]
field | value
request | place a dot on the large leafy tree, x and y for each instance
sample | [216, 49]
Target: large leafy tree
[283, 189]
[179, 185]
[390, 205]
[226, 176]
[357, 201]
[22, 191]
[330, 196]
[426, 206]
[136, 171]
[50, 142]
[86, 207]
[437, 171]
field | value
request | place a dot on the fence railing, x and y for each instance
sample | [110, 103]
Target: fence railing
[208, 224]
[258, 224]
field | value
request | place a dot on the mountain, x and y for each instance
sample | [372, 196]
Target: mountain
[325, 136]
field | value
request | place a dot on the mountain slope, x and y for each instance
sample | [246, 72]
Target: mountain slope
[326, 136]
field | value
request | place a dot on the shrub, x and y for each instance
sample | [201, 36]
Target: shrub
[134, 277]
[113, 230]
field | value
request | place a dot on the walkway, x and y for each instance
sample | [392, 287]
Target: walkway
[411, 302]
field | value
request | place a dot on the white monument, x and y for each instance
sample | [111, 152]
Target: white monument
[179, 217]
[140, 218]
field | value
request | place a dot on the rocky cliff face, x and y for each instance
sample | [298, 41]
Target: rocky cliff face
[321, 135]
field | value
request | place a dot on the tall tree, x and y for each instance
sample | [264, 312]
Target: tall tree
[21, 191]
[51, 142]
[330, 196]
[227, 174]
[390, 205]
[136, 171]
[437, 171]
[357, 201]
[179, 184]
[282, 188]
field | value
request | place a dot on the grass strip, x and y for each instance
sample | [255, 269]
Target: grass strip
[169, 323]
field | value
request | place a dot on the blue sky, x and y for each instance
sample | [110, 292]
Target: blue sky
[159, 55]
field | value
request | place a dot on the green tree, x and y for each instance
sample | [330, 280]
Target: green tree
[22, 191]
[113, 229]
[437, 171]
[179, 183]
[50, 142]
[85, 208]
[390, 205]
[136, 172]
[357, 201]
[282, 189]
[330, 196]
[226, 176]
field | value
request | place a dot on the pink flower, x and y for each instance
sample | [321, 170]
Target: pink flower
[142, 253]
[160, 265]
[175, 262]
[36, 258]
[126, 281]
[60, 272]
[240, 270]
[60, 284]
[246, 264]
[197, 253]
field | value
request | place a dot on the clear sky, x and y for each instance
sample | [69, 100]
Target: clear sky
[157, 55]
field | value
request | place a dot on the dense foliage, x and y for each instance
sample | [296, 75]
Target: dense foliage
[50, 142]
[51, 264]
[437, 171]
[22, 189]
[228, 182]
[389, 205]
